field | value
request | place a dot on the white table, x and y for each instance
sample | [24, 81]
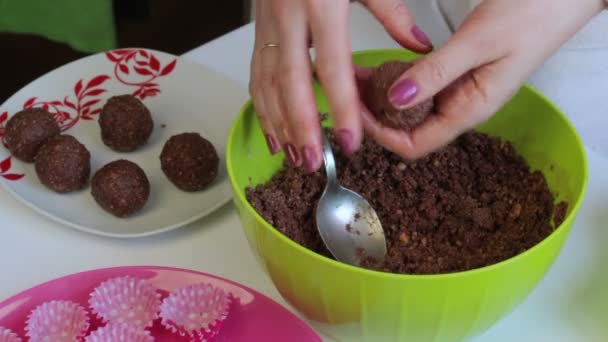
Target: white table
[569, 305]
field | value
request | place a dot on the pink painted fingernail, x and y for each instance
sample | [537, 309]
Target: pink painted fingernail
[292, 155]
[403, 93]
[310, 159]
[346, 141]
[421, 36]
[272, 144]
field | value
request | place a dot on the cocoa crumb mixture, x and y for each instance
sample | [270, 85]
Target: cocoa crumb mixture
[376, 97]
[472, 204]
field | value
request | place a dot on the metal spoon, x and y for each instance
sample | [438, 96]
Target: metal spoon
[348, 224]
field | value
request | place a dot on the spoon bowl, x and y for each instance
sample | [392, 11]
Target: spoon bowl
[347, 223]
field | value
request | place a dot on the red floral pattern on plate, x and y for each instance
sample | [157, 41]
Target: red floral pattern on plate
[68, 113]
[132, 67]
[3, 120]
[138, 68]
[5, 167]
[6, 164]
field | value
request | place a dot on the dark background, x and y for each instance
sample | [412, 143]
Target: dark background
[166, 25]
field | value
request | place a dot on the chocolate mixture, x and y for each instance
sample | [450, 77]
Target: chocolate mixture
[121, 188]
[189, 161]
[125, 122]
[28, 130]
[472, 204]
[376, 97]
[63, 164]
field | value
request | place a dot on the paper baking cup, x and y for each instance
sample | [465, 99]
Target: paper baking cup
[6, 335]
[197, 311]
[126, 300]
[57, 321]
[120, 332]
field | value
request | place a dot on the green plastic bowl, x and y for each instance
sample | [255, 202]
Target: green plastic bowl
[350, 303]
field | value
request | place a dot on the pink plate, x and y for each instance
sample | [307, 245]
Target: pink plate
[255, 318]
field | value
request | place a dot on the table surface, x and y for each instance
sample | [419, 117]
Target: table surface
[570, 304]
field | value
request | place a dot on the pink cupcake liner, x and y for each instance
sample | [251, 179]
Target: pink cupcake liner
[6, 335]
[126, 300]
[57, 321]
[115, 332]
[197, 311]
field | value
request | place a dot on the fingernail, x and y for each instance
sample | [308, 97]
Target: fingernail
[421, 36]
[403, 93]
[292, 155]
[310, 159]
[346, 141]
[272, 144]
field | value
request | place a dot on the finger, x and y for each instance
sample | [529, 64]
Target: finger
[438, 130]
[258, 101]
[296, 82]
[255, 82]
[432, 73]
[399, 23]
[257, 95]
[269, 82]
[394, 140]
[363, 79]
[466, 103]
[274, 105]
[362, 73]
[329, 26]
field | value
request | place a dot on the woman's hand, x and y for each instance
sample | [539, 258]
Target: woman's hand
[486, 61]
[281, 73]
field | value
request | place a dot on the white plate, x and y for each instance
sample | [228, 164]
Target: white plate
[182, 97]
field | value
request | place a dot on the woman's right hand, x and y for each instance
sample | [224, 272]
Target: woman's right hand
[483, 65]
[281, 73]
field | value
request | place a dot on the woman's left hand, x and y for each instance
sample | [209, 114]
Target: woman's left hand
[281, 71]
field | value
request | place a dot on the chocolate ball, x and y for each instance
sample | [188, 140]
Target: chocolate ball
[121, 188]
[125, 123]
[27, 131]
[189, 161]
[382, 79]
[63, 164]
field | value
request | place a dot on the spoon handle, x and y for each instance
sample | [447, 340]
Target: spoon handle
[329, 161]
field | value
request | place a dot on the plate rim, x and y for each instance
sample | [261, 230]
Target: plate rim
[4, 301]
[128, 268]
[221, 201]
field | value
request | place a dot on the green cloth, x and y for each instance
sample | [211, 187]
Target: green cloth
[85, 25]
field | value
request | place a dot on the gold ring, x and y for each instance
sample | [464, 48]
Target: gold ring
[270, 45]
